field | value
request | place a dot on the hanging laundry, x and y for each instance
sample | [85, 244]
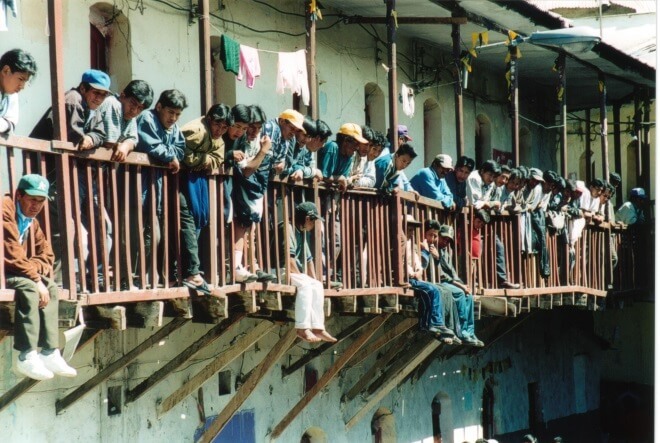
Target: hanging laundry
[292, 74]
[250, 66]
[3, 15]
[408, 100]
[229, 54]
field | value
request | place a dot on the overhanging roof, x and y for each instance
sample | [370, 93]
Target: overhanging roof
[622, 72]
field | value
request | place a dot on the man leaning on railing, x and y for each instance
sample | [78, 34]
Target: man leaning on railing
[16, 69]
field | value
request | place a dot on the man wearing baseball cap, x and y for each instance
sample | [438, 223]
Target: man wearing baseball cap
[28, 260]
[632, 211]
[336, 157]
[430, 182]
[298, 259]
[84, 126]
[402, 134]
[282, 133]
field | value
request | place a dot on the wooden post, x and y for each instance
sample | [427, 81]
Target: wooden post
[515, 120]
[587, 146]
[276, 352]
[391, 78]
[603, 125]
[638, 137]
[206, 69]
[617, 150]
[458, 90]
[646, 145]
[310, 40]
[55, 48]
[564, 129]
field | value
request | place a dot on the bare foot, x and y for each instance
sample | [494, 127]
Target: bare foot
[307, 335]
[322, 334]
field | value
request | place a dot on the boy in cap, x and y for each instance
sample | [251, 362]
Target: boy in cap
[335, 159]
[363, 173]
[430, 182]
[632, 211]
[456, 180]
[28, 260]
[16, 69]
[431, 316]
[83, 124]
[310, 320]
[435, 250]
[282, 133]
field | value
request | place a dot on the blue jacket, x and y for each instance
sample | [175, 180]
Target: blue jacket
[428, 184]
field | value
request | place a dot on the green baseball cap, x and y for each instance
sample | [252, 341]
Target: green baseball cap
[35, 185]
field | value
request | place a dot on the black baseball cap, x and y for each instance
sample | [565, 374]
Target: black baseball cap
[309, 209]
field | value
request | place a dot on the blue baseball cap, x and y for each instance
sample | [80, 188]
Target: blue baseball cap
[97, 79]
[638, 192]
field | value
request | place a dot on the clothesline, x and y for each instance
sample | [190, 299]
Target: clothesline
[258, 49]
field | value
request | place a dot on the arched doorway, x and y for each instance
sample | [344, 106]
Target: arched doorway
[488, 410]
[442, 419]
[383, 427]
[374, 107]
[110, 43]
[433, 132]
[314, 435]
[482, 139]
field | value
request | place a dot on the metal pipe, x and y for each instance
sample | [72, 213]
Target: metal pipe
[310, 39]
[515, 120]
[617, 148]
[564, 129]
[458, 90]
[206, 69]
[392, 82]
[603, 125]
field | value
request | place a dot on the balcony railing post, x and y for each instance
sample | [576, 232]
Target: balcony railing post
[65, 223]
[398, 237]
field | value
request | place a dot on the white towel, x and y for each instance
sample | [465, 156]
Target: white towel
[292, 74]
[408, 100]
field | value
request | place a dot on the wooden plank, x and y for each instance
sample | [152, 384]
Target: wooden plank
[280, 348]
[147, 315]
[134, 296]
[202, 342]
[393, 381]
[222, 360]
[28, 383]
[78, 393]
[383, 361]
[370, 330]
[116, 315]
[315, 352]
[383, 340]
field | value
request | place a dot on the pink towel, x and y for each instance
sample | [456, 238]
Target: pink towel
[249, 65]
[292, 74]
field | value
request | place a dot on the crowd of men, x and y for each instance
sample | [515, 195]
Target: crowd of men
[258, 149]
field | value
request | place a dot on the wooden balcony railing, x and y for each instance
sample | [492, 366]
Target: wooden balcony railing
[102, 234]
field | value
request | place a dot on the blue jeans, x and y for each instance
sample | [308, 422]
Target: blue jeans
[430, 304]
[465, 307]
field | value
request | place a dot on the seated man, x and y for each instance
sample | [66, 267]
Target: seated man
[438, 238]
[431, 316]
[310, 321]
[16, 69]
[28, 260]
[430, 182]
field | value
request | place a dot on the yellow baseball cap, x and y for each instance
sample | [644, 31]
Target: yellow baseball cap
[295, 117]
[353, 130]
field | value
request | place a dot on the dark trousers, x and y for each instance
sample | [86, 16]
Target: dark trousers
[430, 304]
[189, 236]
[33, 326]
[539, 243]
[500, 260]
[450, 311]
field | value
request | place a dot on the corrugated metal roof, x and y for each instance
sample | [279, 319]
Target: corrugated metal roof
[638, 6]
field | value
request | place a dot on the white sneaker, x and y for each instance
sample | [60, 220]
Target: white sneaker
[33, 367]
[244, 276]
[55, 363]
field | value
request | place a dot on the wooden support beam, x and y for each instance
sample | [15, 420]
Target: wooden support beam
[393, 380]
[210, 308]
[408, 20]
[222, 360]
[315, 352]
[181, 307]
[28, 383]
[383, 340]
[114, 315]
[78, 393]
[280, 348]
[374, 325]
[202, 342]
[399, 346]
[146, 315]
